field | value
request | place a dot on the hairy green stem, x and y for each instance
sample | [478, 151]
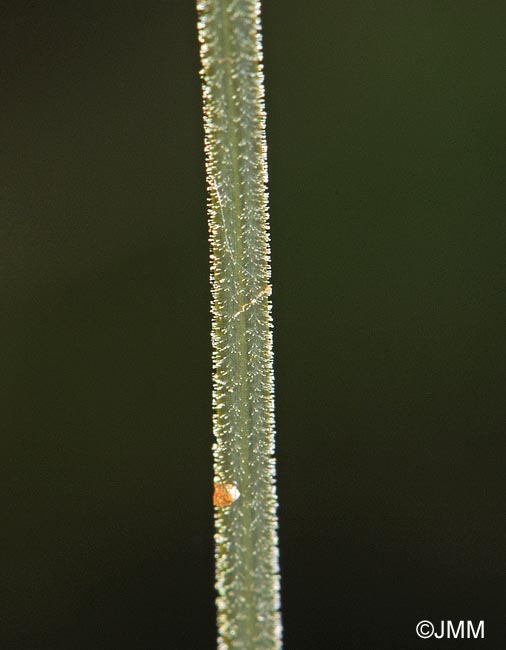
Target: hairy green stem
[247, 575]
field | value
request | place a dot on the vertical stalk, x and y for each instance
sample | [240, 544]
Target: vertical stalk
[247, 574]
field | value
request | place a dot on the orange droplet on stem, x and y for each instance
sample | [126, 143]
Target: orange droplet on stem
[225, 494]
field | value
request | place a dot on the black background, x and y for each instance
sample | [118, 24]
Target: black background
[386, 132]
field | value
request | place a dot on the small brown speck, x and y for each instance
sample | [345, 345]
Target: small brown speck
[225, 494]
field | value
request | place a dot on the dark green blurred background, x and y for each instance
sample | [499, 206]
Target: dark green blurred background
[386, 134]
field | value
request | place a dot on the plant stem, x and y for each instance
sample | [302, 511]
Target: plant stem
[247, 574]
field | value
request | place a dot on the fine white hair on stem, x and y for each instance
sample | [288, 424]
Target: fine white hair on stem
[247, 571]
